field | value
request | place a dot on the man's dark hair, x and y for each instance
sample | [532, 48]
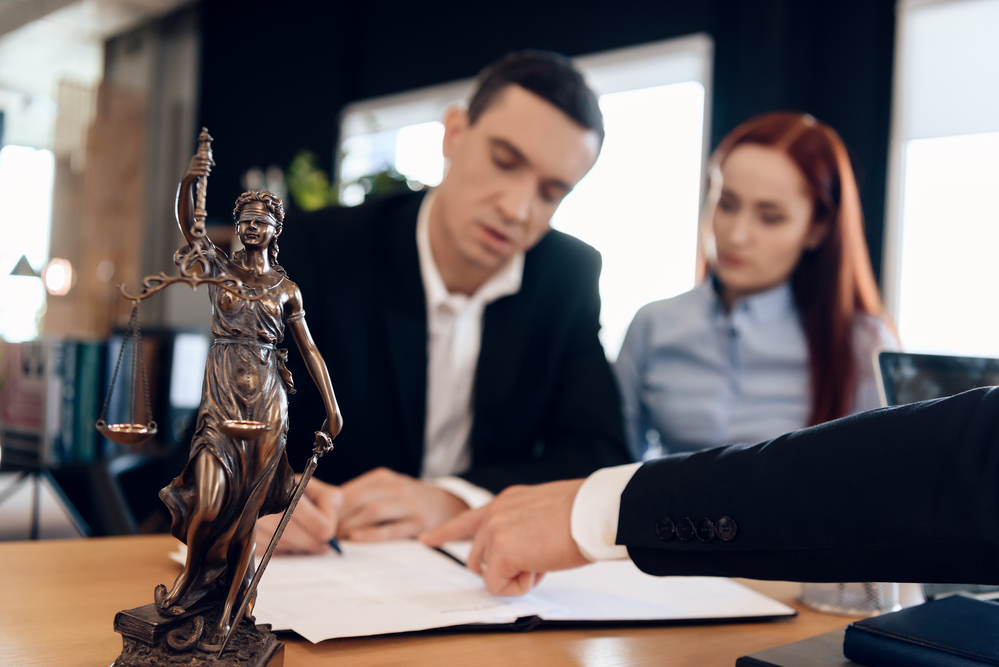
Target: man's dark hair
[548, 75]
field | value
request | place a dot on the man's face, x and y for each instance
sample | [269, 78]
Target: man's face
[508, 173]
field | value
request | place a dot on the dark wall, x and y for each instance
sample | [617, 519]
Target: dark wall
[276, 75]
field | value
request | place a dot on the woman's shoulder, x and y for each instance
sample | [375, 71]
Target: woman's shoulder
[664, 322]
[682, 307]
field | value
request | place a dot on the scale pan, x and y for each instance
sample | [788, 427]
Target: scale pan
[127, 434]
[243, 429]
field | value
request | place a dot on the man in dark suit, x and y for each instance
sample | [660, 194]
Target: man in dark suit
[460, 331]
[900, 494]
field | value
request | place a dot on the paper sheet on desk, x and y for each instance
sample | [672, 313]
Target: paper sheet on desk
[404, 586]
[619, 591]
[377, 588]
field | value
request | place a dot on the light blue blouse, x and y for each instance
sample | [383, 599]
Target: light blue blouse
[693, 376]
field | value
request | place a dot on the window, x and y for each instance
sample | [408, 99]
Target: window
[26, 192]
[639, 204]
[942, 235]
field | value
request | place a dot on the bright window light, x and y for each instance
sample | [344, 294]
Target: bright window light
[947, 301]
[418, 154]
[942, 230]
[639, 204]
[26, 190]
[367, 154]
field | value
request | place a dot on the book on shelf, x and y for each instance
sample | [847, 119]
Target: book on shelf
[32, 382]
[50, 392]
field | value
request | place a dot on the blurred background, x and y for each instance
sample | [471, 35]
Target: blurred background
[329, 103]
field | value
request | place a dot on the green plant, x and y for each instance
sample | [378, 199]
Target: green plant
[308, 184]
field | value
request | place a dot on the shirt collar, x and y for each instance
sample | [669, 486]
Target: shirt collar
[763, 306]
[504, 282]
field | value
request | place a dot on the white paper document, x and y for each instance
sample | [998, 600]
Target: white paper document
[404, 586]
[619, 591]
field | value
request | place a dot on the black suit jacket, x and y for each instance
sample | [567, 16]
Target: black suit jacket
[544, 400]
[900, 494]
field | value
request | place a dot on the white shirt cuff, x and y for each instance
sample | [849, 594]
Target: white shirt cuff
[473, 496]
[595, 512]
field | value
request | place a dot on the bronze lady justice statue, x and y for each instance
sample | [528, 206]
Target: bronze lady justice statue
[234, 475]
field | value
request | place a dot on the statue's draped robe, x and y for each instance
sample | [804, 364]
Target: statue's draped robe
[245, 379]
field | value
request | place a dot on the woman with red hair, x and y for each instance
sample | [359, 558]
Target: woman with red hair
[780, 334]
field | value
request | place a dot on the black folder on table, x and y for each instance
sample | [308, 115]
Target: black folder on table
[955, 631]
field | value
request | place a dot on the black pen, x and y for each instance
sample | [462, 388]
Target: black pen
[336, 546]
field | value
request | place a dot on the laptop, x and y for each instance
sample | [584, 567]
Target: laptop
[908, 378]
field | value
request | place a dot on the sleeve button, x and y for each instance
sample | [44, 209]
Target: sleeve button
[665, 529]
[685, 529]
[726, 528]
[705, 530]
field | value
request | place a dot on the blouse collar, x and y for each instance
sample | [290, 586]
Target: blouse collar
[765, 306]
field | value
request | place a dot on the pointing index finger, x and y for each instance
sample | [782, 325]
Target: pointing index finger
[462, 526]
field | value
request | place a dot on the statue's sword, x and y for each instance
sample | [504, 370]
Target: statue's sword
[323, 444]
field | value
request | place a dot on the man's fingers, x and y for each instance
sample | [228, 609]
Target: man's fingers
[461, 527]
[309, 531]
[477, 554]
[377, 481]
[312, 519]
[389, 531]
[360, 494]
[373, 515]
[293, 540]
[501, 579]
[325, 496]
[296, 540]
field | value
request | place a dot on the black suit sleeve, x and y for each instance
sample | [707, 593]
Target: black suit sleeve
[898, 494]
[580, 428]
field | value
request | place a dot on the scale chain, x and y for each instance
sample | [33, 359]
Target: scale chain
[137, 337]
[121, 352]
[133, 334]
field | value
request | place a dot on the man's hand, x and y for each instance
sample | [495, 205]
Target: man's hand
[519, 536]
[384, 505]
[313, 523]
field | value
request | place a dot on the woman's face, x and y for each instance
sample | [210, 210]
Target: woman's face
[256, 225]
[762, 222]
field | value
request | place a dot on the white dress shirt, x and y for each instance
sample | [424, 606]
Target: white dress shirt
[595, 512]
[454, 327]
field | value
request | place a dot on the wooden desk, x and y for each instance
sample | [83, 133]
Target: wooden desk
[58, 600]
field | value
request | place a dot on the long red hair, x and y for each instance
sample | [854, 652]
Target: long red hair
[833, 283]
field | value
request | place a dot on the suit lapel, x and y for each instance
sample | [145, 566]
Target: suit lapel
[404, 313]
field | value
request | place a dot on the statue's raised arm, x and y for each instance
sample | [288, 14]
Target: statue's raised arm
[191, 214]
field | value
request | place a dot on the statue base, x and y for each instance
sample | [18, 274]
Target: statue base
[151, 640]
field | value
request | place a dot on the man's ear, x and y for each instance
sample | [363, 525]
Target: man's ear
[455, 124]
[817, 234]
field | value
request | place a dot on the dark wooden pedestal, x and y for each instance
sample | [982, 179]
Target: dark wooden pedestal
[151, 640]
